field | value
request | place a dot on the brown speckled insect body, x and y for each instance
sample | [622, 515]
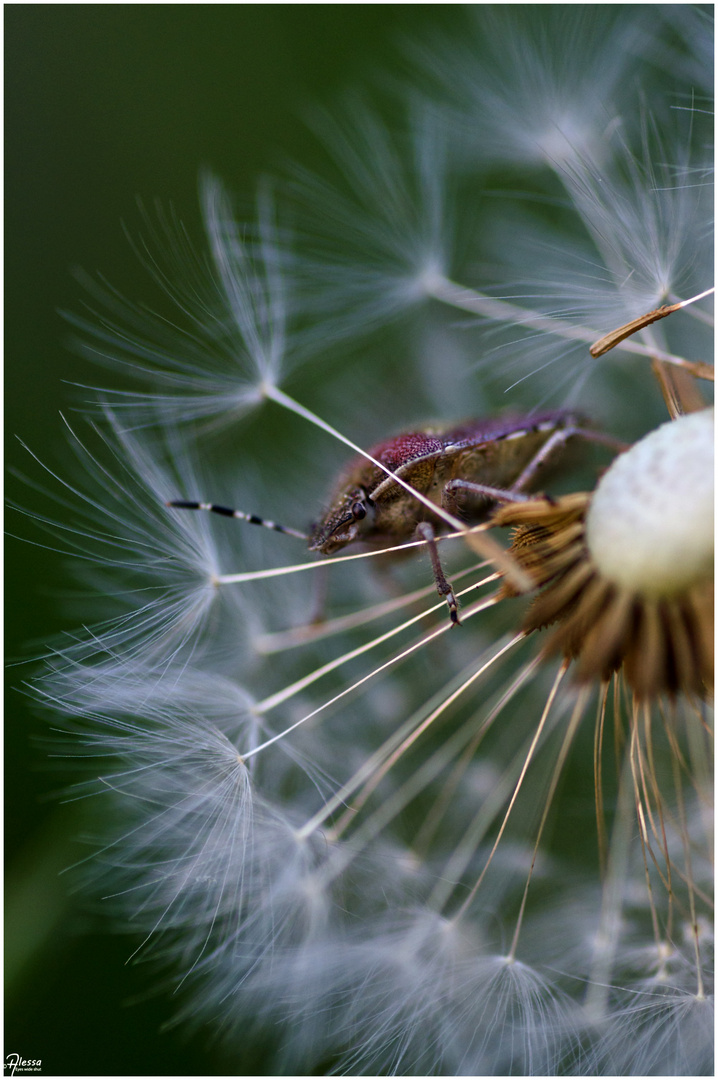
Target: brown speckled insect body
[459, 468]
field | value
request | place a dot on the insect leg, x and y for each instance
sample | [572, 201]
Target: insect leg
[225, 511]
[426, 533]
[557, 439]
[514, 492]
[452, 487]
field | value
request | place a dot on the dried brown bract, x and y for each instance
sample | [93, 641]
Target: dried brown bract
[626, 573]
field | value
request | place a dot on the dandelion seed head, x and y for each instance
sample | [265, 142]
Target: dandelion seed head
[650, 524]
[384, 844]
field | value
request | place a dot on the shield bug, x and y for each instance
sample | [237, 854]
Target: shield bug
[461, 469]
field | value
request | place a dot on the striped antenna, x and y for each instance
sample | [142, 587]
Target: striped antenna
[226, 512]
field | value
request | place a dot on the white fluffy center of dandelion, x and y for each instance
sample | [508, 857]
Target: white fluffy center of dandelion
[650, 525]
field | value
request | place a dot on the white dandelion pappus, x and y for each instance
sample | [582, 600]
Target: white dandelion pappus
[228, 332]
[383, 230]
[524, 93]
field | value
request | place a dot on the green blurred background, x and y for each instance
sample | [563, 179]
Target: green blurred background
[105, 103]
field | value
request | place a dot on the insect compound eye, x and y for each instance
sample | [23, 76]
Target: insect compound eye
[358, 511]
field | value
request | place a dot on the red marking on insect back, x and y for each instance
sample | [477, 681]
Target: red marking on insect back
[400, 449]
[406, 447]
